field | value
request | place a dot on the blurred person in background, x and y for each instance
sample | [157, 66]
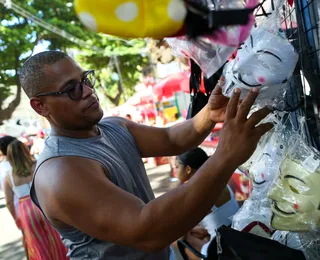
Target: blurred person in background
[41, 239]
[38, 144]
[5, 168]
[221, 213]
[4, 164]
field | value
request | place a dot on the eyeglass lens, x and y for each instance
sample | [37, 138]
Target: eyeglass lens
[76, 91]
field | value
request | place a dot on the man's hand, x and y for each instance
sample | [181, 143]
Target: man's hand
[240, 135]
[199, 232]
[217, 103]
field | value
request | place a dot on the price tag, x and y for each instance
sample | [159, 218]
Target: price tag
[311, 163]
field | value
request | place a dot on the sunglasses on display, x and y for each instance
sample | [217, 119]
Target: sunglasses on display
[75, 89]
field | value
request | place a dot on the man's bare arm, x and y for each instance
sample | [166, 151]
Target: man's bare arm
[80, 195]
[179, 138]
[155, 141]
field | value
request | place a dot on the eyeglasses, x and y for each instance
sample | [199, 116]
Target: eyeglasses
[75, 90]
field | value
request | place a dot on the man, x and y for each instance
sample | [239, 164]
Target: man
[90, 181]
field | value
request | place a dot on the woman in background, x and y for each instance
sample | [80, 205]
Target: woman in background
[226, 205]
[42, 241]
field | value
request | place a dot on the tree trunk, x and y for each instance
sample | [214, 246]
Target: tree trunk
[6, 113]
[114, 100]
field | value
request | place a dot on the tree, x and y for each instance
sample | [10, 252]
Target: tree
[119, 67]
[20, 36]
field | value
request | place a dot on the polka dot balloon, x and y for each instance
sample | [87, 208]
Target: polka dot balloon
[133, 18]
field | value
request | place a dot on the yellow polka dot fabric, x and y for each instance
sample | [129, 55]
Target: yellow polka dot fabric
[133, 18]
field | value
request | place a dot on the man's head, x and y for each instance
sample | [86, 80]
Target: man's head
[4, 143]
[47, 73]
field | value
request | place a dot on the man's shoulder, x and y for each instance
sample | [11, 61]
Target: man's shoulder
[113, 120]
[68, 165]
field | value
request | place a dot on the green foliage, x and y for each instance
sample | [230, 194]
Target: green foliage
[132, 62]
[20, 36]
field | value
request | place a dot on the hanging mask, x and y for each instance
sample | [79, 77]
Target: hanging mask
[265, 61]
[159, 19]
[266, 166]
[296, 194]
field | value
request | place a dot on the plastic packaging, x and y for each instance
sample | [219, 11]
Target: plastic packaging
[212, 51]
[262, 168]
[295, 194]
[308, 243]
[274, 118]
[265, 61]
[210, 57]
[252, 211]
[232, 35]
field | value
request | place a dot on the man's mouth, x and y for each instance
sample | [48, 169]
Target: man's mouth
[92, 104]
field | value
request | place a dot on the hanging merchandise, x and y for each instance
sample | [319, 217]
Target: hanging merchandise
[295, 194]
[262, 169]
[234, 245]
[308, 243]
[167, 18]
[211, 51]
[265, 61]
[199, 99]
[210, 57]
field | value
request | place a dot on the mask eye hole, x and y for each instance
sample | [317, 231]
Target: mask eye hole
[294, 190]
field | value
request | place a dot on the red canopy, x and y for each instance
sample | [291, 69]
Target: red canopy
[171, 84]
[141, 98]
[148, 113]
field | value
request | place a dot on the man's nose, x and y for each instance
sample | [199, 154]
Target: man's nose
[87, 91]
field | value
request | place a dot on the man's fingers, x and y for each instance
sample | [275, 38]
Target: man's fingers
[199, 232]
[257, 116]
[218, 88]
[232, 107]
[247, 103]
[263, 128]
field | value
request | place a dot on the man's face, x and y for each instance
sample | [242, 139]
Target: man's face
[60, 110]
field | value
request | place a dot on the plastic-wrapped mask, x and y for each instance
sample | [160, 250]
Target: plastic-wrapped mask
[265, 168]
[265, 61]
[296, 196]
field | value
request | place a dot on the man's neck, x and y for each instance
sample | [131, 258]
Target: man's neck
[81, 134]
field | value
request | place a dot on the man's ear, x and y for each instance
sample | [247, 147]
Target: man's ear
[39, 107]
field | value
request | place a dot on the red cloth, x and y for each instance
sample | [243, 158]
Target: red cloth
[42, 241]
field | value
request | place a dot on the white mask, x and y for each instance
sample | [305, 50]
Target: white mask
[265, 61]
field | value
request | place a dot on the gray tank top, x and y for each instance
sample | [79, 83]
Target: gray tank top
[116, 150]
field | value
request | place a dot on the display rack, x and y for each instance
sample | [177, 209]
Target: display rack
[300, 22]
